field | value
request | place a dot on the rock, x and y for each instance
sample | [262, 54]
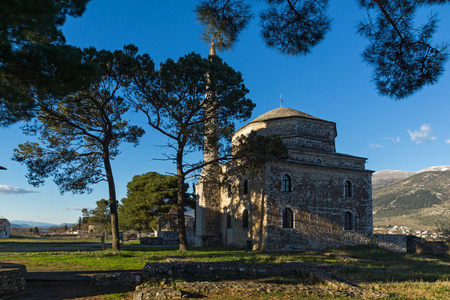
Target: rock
[12, 279]
[120, 278]
[148, 292]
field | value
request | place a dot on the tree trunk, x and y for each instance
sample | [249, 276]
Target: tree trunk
[112, 205]
[180, 202]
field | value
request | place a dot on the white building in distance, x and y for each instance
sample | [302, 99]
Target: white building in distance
[5, 229]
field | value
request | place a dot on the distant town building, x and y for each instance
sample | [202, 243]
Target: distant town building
[5, 229]
[169, 221]
[166, 227]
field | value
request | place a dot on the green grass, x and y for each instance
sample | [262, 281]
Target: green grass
[396, 275]
[375, 264]
[360, 264]
[136, 258]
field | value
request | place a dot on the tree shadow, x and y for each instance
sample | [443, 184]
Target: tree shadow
[379, 265]
[56, 290]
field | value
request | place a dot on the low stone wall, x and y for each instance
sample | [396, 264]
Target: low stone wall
[195, 274]
[117, 278]
[227, 270]
[201, 289]
[12, 279]
[164, 238]
[169, 237]
[392, 242]
[435, 248]
[151, 241]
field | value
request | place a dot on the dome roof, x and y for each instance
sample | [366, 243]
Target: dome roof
[283, 112]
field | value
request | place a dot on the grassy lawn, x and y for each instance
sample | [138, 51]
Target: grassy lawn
[136, 257]
[397, 275]
[369, 264]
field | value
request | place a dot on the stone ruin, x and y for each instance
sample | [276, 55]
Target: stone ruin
[12, 279]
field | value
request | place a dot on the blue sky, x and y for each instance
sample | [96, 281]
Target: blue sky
[331, 83]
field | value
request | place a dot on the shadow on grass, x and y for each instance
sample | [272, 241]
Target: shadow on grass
[68, 290]
[378, 265]
[355, 264]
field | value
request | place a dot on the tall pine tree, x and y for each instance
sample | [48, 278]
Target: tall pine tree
[81, 134]
[34, 59]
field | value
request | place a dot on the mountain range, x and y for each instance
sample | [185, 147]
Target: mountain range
[418, 200]
[18, 223]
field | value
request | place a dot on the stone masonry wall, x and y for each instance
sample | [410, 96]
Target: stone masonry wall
[12, 279]
[327, 159]
[208, 211]
[317, 198]
[168, 238]
[235, 201]
[297, 133]
[319, 205]
[228, 270]
[392, 242]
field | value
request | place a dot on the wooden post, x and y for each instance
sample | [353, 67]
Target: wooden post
[103, 242]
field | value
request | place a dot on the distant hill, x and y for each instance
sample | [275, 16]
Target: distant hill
[386, 177]
[17, 223]
[419, 201]
[435, 169]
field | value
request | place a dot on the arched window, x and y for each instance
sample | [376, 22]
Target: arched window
[318, 161]
[348, 189]
[348, 221]
[245, 218]
[288, 218]
[228, 219]
[245, 187]
[286, 183]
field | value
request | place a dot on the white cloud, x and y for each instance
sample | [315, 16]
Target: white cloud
[12, 190]
[393, 140]
[376, 146]
[447, 141]
[424, 134]
[74, 208]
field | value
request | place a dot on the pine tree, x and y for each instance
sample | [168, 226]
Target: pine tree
[34, 59]
[403, 56]
[81, 135]
[173, 100]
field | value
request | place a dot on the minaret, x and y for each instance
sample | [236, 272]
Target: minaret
[211, 146]
[208, 188]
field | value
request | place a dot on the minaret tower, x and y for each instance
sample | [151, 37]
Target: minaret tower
[208, 188]
[211, 146]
